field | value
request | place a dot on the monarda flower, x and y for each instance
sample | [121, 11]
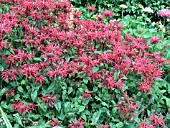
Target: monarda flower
[144, 125]
[49, 100]
[22, 108]
[156, 120]
[10, 92]
[3, 44]
[107, 13]
[77, 14]
[9, 74]
[87, 95]
[54, 122]
[91, 8]
[155, 40]
[78, 124]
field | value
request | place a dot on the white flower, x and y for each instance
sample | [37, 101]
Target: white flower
[153, 23]
[149, 10]
[123, 6]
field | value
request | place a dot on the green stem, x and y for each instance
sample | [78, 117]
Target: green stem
[122, 14]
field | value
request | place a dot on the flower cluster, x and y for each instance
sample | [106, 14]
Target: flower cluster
[54, 44]
[164, 13]
[155, 121]
[22, 108]
[127, 107]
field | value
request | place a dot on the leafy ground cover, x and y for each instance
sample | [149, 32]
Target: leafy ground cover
[82, 67]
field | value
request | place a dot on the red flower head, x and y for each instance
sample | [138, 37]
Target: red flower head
[86, 95]
[156, 121]
[107, 13]
[78, 124]
[54, 122]
[155, 40]
[12, 92]
[91, 8]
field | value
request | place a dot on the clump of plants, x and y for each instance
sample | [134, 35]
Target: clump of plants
[58, 69]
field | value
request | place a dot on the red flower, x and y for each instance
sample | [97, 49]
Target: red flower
[9, 74]
[21, 108]
[54, 122]
[107, 13]
[156, 120]
[155, 40]
[39, 79]
[77, 14]
[49, 99]
[12, 92]
[3, 44]
[91, 8]
[78, 124]
[87, 95]
[106, 126]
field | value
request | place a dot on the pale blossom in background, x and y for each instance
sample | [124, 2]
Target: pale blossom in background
[123, 6]
[147, 9]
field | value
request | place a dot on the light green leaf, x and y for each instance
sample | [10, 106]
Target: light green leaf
[116, 75]
[95, 69]
[85, 80]
[34, 95]
[18, 119]
[119, 125]
[81, 108]
[95, 117]
[1, 68]
[8, 124]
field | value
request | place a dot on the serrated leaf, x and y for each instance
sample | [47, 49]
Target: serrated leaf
[95, 69]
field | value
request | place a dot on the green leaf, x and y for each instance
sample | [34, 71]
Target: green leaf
[81, 108]
[23, 82]
[58, 105]
[1, 68]
[37, 59]
[116, 75]
[20, 32]
[20, 89]
[95, 69]
[104, 104]
[18, 119]
[8, 124]
[119, 125]
[85, 80]
[70, 90]
[95, 117]
[34, 95]
[6, 9]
